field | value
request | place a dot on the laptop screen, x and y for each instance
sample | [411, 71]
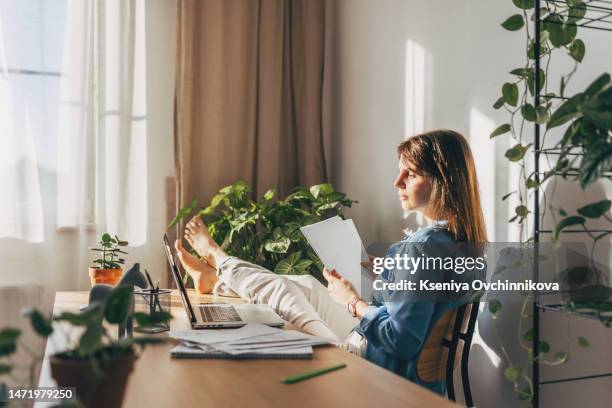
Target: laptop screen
[178, 280]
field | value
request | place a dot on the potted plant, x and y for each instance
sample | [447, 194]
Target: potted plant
[267, 231]
[107, 268]
[96, 364]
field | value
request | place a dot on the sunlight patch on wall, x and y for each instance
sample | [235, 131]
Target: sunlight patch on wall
[483, 150]
[414, 88]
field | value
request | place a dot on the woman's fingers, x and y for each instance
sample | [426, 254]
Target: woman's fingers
[330, 275]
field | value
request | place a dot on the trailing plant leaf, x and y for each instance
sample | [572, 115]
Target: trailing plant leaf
[517, 152]
[524, 4]
[595, 210]
[495, 307]
[514, 23]
[521, 211]
[561, 32]
[507, 195]
[505, 128]
[583, 342]
[531, 80]
[510, 93]
[544, 347]
[528, 112]
[542, 114]
[577, 50]
[568, 222]
[561, 356]
[577, 11]
[512, 373]
[499, 103]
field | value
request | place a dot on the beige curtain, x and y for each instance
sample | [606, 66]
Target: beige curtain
[252, 95]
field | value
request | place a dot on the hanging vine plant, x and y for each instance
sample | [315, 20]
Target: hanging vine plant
[583, 154]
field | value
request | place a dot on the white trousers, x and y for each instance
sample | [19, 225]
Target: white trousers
[299, 299]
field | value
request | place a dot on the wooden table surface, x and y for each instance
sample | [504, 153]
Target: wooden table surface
[160, 381]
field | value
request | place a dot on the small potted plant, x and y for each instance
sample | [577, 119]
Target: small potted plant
[107, 268]
[97, 365]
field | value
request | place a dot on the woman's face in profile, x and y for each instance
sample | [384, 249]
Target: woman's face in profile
[413, 189]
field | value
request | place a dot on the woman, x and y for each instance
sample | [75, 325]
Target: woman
[437, 178]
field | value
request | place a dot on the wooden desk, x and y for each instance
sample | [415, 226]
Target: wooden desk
[159, 381]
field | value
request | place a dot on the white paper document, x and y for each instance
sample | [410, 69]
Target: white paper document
[249, 339]
[338, 246]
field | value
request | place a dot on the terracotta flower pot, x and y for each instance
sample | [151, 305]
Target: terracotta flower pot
[108, 276]
[91, 390]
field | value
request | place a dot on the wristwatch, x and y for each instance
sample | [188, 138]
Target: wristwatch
[352, 306]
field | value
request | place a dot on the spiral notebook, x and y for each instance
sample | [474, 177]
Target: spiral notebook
[200, 351]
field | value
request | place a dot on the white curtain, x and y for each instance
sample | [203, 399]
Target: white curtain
[73, 146]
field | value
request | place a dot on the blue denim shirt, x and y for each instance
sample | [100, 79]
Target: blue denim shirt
[396, 331]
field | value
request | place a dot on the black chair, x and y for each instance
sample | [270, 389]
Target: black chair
[448, 343]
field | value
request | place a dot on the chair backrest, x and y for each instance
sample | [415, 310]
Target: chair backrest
[433, 362]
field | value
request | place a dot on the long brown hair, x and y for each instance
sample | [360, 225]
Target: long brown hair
[445, 156]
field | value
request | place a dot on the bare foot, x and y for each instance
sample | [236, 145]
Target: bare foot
[196, 233]
[204, 276]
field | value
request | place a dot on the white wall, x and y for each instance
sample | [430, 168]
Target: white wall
[380, 76]
[57, 263]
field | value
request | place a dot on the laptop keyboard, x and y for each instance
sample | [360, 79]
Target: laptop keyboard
[219, 314]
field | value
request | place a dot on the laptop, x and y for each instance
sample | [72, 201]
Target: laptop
[220, 315]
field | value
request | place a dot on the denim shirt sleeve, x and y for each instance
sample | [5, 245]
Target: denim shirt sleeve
[400, 327]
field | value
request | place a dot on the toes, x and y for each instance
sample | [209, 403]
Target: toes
[180, 251]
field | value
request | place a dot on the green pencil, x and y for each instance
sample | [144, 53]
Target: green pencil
[304, 376]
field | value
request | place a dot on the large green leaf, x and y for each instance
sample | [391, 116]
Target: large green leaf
[597, 112]
[510, 93]
[566, 112]
[279, 246]
[514, 23]
[117, 305]
[8, 340]
[595, 210]
[85, 318]
[41, 325]
[91, 339]
[595, 163]
[321, 189]
[601, 83]
[157, 317]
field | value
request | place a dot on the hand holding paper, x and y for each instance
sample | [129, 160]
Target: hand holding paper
[338, 246]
